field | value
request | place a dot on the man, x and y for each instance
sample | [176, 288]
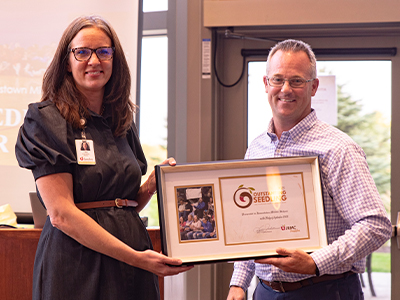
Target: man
[356, 220]
[200, 207]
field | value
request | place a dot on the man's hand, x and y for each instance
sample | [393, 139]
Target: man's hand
[235, 293]
[295, 261]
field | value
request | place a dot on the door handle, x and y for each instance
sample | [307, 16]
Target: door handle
[396, 229]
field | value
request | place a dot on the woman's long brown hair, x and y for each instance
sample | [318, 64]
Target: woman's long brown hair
[59, 86]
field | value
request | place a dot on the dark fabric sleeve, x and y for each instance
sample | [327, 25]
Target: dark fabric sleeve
[134, 142]
[45, 142]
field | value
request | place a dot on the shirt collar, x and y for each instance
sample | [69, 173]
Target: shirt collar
[105, 113]
[298, 130]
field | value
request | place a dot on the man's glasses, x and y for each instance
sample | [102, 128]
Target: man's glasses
[84, 54]
[295, 82]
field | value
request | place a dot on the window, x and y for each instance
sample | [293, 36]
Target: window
[153, 109]
[155, 5]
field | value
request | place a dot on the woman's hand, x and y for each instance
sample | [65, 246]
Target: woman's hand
[148, 188]
[160, 264]
[151, 181]
[170, 161]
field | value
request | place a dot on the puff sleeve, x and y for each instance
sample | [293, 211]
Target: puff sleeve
[45, 141]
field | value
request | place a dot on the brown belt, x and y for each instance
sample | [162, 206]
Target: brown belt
[282, 287]
[120, 203]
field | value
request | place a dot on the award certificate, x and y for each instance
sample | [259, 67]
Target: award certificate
[235, 210]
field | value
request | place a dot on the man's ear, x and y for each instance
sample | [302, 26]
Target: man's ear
[314, 87]
[265, 83]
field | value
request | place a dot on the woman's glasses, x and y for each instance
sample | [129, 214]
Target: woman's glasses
[84, 54]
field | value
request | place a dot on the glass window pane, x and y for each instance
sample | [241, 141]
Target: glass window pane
[155, 5]
[362, 99]
[153, 109]
[258, 110]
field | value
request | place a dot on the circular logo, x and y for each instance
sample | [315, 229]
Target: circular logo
[242, 197]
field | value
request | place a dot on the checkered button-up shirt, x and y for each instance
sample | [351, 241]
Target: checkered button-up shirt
[356, 221]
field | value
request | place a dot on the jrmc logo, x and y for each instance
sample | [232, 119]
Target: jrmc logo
[243, 196]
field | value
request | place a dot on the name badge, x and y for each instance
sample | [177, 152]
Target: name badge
[85, 152]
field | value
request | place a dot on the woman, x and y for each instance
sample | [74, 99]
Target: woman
[182, 224]
[195, 228]
[93, 246]
[187, 229]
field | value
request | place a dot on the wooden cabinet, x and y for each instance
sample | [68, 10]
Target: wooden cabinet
[17, 255]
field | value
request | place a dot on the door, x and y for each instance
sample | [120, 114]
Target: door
[375, 96]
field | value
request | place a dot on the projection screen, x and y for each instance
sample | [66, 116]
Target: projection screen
[29, 34]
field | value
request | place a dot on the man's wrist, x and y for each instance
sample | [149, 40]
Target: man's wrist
[316, 271]
[236, 286]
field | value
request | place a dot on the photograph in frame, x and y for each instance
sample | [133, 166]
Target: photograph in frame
[258, 205]
[196, 213]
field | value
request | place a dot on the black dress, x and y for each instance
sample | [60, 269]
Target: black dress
[64, 269]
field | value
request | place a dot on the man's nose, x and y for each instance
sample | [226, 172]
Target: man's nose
[286, 86]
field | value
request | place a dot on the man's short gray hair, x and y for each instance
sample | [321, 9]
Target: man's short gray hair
[295, 46]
